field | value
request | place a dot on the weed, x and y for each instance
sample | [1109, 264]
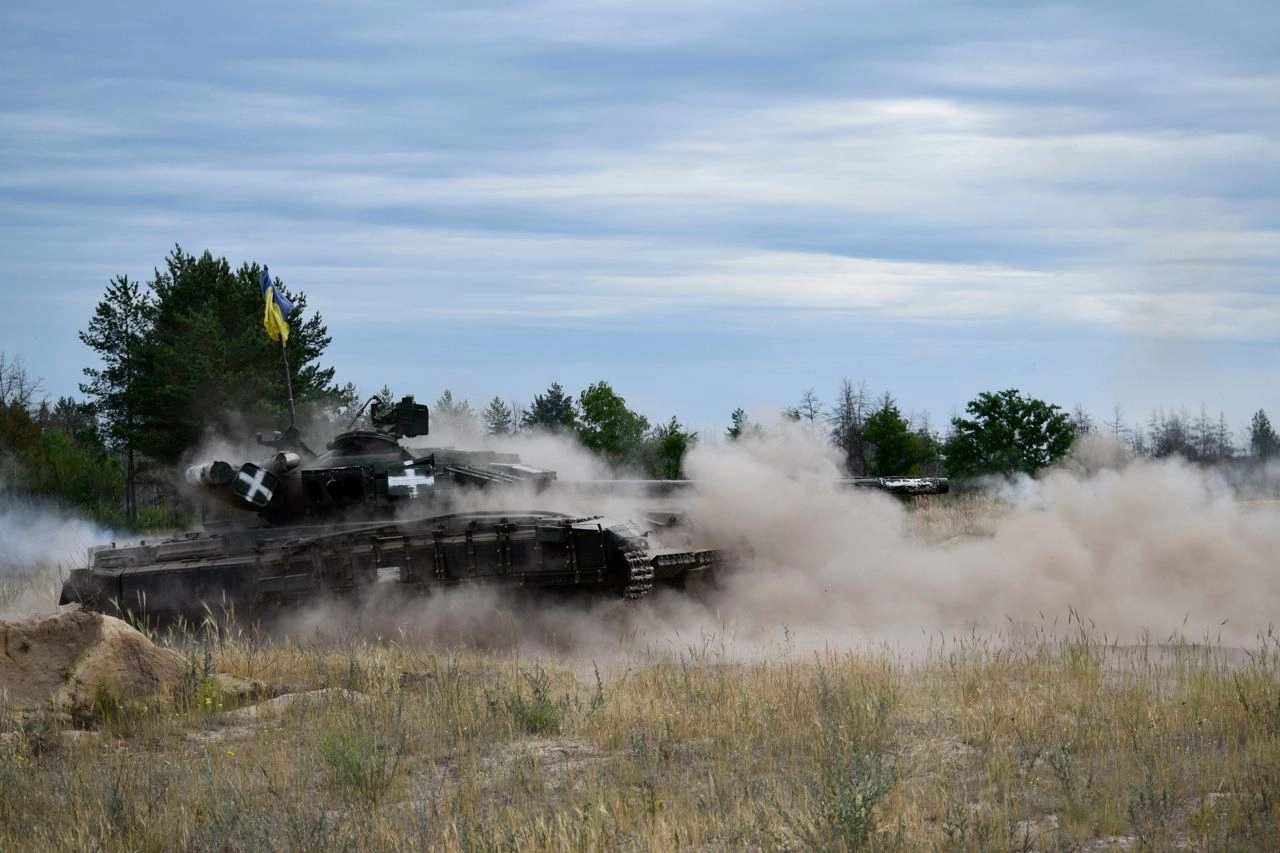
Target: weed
[363, 751]
[852, 772]
[538, 713]
[106, 709]
[1150, 809]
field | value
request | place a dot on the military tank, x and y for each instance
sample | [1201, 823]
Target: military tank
[366, 514]
[371, 513]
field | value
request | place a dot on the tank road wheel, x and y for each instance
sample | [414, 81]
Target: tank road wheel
[639, 574]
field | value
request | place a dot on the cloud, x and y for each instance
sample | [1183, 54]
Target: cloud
[1089, 170]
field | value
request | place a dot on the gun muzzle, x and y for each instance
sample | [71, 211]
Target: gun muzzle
[217, 473]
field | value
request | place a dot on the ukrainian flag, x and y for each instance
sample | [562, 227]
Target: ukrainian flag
[278, 309]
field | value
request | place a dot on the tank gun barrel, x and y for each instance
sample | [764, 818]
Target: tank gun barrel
[901, 485]
[667, 488]
[250, 486]
[213, 474]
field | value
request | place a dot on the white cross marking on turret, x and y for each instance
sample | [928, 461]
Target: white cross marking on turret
[254, 487]
[407, 483]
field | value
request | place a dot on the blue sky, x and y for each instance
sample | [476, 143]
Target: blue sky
[709, 205]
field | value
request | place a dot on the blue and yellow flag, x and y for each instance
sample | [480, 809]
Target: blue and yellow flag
[278, 309]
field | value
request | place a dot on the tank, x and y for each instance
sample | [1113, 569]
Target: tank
[370, 514]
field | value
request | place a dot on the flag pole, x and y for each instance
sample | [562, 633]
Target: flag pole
[278, 310]
[288, 383]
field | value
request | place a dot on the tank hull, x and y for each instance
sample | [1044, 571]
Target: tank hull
[256, 571]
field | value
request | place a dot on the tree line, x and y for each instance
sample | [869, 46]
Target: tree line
[184, 355]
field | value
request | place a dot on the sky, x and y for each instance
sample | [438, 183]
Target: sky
[708, 205]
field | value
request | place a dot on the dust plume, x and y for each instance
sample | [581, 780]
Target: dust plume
[39, 545]
[1134, 546]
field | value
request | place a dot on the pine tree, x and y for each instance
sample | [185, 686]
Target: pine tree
[118, 332]
[554, 411]
[896, 450]
[498, 417]
[1263, 441]
[207, 364]
[455, 415]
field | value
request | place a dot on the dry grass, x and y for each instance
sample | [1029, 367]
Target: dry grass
[941, 519]
[979, 743]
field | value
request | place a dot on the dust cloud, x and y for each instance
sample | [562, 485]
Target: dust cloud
[1136, 548]
[39, 545]
[1132, 546]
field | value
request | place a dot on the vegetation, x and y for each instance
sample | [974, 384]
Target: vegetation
[978, 743]
[206, 366]
[895, 448]
[118, 334]
[553, 411]
[454, 416]
[498, 417]
[1263, 441]
[53, 454]
[607, 426]
[1009, 433]
[185, 356]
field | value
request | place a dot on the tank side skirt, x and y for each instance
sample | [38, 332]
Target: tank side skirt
[555, 552]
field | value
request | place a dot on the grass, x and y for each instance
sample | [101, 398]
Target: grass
[979, 743]
[983, 744]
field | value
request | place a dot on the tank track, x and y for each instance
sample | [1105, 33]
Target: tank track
[639, 574]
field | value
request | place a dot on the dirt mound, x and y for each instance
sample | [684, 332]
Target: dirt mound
[64, 659]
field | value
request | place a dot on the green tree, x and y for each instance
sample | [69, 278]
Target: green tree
[79, 420]
[1263, 441]
[208, 364]
[895, 449]
[665, 449]
[1007, 433]
[75, 474]
[118, 332]
[53, 452]
[498, 417]
[608, 426]
[455, 415]
[553, 411]
[741, 426]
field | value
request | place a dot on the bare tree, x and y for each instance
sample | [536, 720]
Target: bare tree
[1224, 447]
[17, 389]
[810, 407]
[847, 418]
[1172, 434]
[1081, 420]
[1203, 436]
[1116, 425]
